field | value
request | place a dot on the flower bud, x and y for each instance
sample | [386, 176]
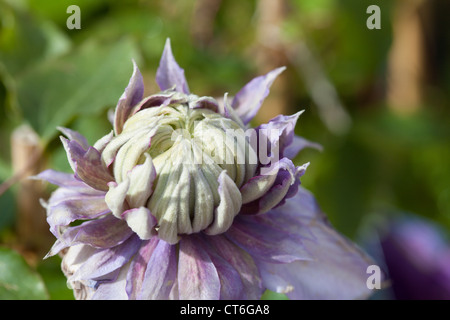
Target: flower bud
[182, 161]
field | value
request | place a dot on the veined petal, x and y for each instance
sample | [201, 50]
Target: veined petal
[102, 233]
[105, 261]
[66, 206]
[297, 145]
[249, 99]
[74, 151]
[231, 286]
[132, 95]
[91, 170]
[161, 273]
[197, 276]
[72, 260]
[280, 134]
[61, 179]
[138, 267]
[265, 240]
[155, 100]
[244, 265]
[87, 165]
[75, 136]
[169, 73]
[113, 289]
[284, 186]
[338, 267]
[257, 186]
[205, 103]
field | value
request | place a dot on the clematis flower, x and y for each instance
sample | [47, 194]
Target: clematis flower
[417, 257]
[184, 200]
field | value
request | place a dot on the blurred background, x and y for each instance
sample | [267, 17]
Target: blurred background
[377, 100]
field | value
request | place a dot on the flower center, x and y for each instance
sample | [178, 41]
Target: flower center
[200, 157]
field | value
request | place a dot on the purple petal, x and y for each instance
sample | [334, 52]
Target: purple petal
[169, 73]
[257, 186]
[250, 98]
[197, 277]
[138, 267]
[244, 265]
[231, 286]
[284, 186]
[102, 233]
[297, 145]
[155, 100]
[91, 170]
[279, 133]
[205, 103]
[105, 261]
[73, 151]
[132, 95]
[87, 165]
[161, 273]
[67, 205]
[338, 268]
[266, 241]
[75, 136]
[61, 179]
[416, 249]
[113, 290]
[72, 260]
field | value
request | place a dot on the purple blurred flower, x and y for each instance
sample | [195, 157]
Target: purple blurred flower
[418, 260]
[155, 221]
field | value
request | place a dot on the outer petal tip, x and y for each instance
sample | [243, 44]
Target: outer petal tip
[132, 95]
[250, 98]
[169, 73]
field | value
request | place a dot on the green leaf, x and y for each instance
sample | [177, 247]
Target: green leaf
[17, 280]
[271, 295]
[84, 83]
[55, 281]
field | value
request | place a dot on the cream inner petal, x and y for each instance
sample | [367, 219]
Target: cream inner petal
[190, 149]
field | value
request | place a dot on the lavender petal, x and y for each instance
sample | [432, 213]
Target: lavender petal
[169, 73]
[338, 267]
[132, 95]
[160, 274]
[138, 267]
[249, 99]
[197, 276]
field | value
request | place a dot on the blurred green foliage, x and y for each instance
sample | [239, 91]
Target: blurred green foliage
[17, 279]
[52, 76]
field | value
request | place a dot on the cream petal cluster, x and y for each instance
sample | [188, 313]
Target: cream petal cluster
[179, 162]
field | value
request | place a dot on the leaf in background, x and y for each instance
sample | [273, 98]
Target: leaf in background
[271, 295]
[17, 280]
[22, 41]
[54, 279]
[83, 83]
